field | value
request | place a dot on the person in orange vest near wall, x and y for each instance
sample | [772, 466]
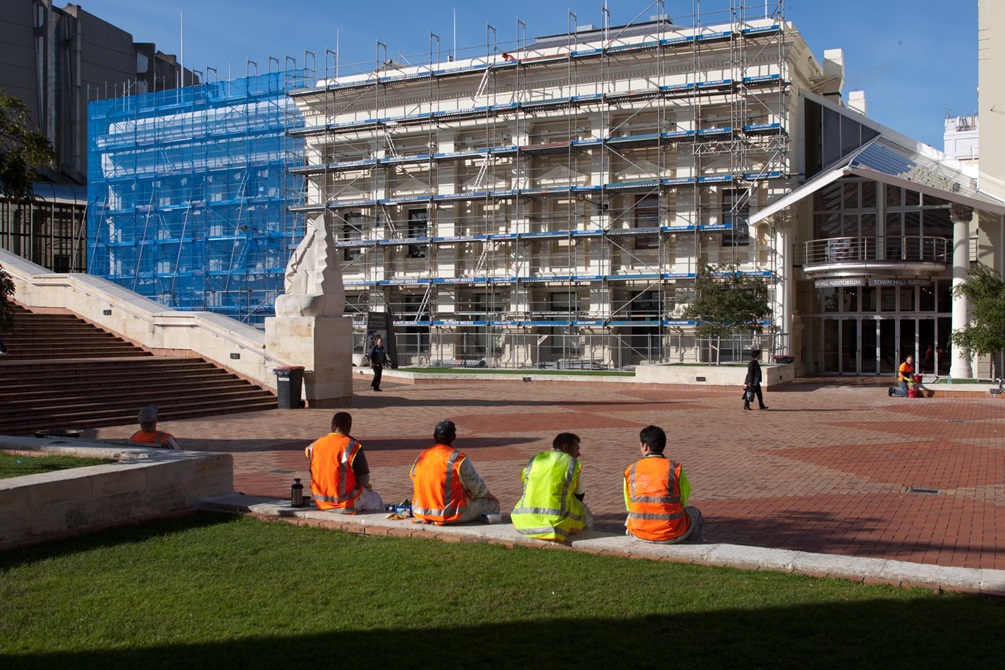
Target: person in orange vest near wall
[656, 495]
[904, 375]
[447, 489]
[148, 433]
[340, 476]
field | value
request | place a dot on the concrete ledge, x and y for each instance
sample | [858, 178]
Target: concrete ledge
[144, 483]
[717, 377]
[712, 375]
[864, 570]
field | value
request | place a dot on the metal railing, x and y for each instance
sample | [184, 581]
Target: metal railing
[593, 351]
[901, 248]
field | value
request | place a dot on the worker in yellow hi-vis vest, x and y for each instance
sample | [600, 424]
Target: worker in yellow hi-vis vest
[552, 506]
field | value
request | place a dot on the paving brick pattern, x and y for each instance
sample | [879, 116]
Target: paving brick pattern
[826, 469]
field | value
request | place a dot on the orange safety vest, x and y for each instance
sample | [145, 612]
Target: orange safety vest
[151, 437]
[654, 509]
[333, 482]
[439, 495]
[906, 372]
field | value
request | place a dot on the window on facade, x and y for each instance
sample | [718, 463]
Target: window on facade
[736, 213]
[418, 227]
[352, 229]
[647, 216]
[831, 135]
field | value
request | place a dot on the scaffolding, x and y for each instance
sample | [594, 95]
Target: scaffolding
[551, 199]
[188, 194]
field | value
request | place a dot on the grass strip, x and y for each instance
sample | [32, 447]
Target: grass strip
[217, 591]
[18, 465]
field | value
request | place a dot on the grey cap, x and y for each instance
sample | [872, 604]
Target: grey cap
[148, 414]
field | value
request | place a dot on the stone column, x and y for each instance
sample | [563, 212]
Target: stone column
[961, 216]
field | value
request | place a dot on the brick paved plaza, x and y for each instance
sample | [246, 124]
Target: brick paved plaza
[826, 469]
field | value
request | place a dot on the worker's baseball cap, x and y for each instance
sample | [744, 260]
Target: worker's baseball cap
[148, 414]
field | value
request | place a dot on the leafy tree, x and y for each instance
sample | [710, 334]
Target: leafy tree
[985, 333]
[6, 293]
[727, 302]
[23, 151]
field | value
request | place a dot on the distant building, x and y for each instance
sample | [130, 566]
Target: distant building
[189, 191]
[56, 60]
[550, 204]
[961, 139]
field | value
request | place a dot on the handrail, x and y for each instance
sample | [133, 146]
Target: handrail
[890, 248]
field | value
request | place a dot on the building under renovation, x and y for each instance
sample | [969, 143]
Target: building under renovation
[549, 202]
[189, 193]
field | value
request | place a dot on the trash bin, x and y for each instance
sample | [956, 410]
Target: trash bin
[289, 382]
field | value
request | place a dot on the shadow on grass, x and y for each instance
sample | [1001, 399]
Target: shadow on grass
[951, 631]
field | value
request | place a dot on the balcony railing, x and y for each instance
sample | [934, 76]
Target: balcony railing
[899, 249]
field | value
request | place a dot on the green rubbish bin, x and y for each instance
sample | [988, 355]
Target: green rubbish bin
[289, 382]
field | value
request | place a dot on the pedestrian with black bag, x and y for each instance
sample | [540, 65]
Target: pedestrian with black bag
[752, 382]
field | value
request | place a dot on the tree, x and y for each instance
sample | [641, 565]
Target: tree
[727, 302]
[6, 293]
[23, 152]
[984, 335]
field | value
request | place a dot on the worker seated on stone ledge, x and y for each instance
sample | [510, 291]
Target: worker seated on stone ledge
[447, 488]
[148, 433]
[340, 476]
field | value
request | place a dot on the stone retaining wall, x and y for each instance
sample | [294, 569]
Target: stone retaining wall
[142, 484]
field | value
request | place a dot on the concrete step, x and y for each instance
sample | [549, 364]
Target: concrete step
[67, 373]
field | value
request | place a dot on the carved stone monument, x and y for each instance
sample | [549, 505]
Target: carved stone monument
[309, 328]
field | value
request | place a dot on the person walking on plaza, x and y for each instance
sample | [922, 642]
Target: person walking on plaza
[378, 359]
[340, 476]
[552, 507]
[905, 375]
[752, 382]
[656, 495]
[148, 433]
[447, 489]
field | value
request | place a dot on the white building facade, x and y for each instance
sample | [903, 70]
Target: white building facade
[551, 204]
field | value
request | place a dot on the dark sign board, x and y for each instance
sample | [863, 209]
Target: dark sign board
[382, 323]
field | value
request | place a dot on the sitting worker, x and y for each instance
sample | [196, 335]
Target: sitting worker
[552, 506]
[656, 493]
[148, 433]
[340, 476]
[905, 376]
[447, 487]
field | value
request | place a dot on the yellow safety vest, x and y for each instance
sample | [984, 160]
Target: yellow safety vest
[549, 508]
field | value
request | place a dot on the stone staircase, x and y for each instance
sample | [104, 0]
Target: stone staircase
[63, 373]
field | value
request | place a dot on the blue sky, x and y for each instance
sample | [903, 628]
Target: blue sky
[916, 59]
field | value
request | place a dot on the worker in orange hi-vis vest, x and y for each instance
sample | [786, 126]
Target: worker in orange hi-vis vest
[148, 433]
[656, 495]
[447, 488]
[340, 476]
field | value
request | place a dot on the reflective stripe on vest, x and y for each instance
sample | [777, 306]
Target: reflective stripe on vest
[341, 478]
[438, 494]
[154, 437]
[654, 509]
[548, 508]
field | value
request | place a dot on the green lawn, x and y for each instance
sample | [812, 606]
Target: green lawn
[211, 591]
[12, 465]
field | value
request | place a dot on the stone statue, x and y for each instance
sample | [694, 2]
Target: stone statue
[313, 278]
